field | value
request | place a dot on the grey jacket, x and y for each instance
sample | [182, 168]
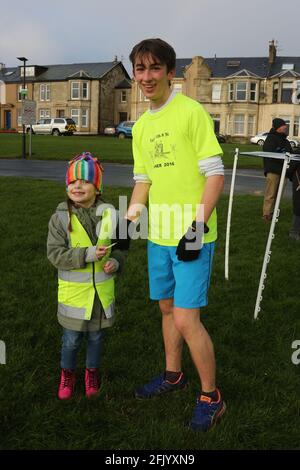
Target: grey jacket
[65, 258]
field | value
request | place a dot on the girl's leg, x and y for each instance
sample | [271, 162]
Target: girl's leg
[71, 342]
[94, 349]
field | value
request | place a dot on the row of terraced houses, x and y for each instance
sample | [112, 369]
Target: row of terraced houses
[242, 94]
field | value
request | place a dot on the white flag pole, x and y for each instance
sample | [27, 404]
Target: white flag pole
[236, 156]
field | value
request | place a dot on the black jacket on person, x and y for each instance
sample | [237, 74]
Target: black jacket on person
[275, 142]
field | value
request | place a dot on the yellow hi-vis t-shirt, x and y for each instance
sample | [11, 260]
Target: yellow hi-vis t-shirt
[167, 146]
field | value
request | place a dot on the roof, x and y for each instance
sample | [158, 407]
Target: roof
[124, 84]
[62, 72]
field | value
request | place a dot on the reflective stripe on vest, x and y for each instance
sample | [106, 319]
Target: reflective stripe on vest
[77, 287]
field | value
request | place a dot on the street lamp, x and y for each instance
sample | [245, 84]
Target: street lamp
[24, 60]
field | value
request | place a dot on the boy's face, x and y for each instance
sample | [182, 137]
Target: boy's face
[153, 78]
[82, 193]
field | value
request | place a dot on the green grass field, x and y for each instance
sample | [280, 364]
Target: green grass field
[259, 382]
[109, 149]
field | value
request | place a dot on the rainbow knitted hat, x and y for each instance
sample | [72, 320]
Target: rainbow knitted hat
[85, 167]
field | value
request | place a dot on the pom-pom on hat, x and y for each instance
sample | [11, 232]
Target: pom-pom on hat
[278, 122]
[85, 167]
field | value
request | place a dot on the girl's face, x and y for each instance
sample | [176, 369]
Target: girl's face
[82, 193]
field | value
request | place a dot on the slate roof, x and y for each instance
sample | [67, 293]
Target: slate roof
[124, 84]
[62, 72]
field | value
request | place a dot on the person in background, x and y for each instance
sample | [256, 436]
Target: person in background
[277, 141]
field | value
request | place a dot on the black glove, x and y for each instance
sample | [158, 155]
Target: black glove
[122, 237]
[190, 245]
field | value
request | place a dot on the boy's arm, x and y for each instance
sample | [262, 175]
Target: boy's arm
[138, 200]
[213, 189]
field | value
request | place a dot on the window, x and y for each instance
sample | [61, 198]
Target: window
[216, 119]
[286, 92]
[177, 87]
[19, 117]
[251, 118]
[20, 94]
[59, 121]
[45, 92]
[288, 66]
[79, 90]
[231, 91]
[296, 126]
[84, 117]
[44, 113]
[123, 96]
[253, 87]
[275, 93]
[241, 91]
[216, 92]
[142, 97]
[75, 116]
[238, 124]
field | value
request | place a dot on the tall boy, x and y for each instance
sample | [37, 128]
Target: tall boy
[177, 164]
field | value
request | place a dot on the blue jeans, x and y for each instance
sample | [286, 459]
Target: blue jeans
[71, 342]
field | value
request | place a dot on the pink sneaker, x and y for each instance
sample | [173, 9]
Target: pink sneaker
[92, 384]
[67, 384]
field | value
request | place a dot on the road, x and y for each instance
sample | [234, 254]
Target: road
[247, 181]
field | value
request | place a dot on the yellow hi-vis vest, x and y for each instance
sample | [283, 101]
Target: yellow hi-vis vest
[77, 287]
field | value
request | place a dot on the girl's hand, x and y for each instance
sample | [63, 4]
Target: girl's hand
[110, 266]
[101, 251]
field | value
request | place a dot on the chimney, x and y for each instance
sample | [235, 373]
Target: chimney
[2, 66]
[272, 52]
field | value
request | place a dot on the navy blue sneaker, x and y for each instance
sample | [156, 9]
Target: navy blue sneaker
[207, 413]
[159, 385]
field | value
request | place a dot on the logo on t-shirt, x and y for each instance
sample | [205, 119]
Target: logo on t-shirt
[162, 151]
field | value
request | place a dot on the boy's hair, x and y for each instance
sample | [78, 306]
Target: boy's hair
[158, 48]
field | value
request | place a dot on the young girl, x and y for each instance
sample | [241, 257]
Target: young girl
[86, 266]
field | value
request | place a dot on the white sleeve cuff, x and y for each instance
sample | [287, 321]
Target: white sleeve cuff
[139, 178]
[90, 254]
[211, 166]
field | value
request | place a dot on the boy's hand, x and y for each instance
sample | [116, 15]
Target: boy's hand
[110, 266]
[190, 245]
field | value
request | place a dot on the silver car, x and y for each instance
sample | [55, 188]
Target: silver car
[261, 137]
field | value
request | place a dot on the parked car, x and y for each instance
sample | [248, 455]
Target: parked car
[124, 129]
[261, 137]
[221, 138]
[54, 126]
[110, 130]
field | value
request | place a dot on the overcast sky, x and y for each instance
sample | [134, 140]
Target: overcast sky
[65, 31]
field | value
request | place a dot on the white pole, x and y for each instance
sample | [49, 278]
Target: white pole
[236, 156]
[30, 141]
[271, 236]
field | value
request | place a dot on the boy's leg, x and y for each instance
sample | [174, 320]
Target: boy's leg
[188, 324]
[173, 339]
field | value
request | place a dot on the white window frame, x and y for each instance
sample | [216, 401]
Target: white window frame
[239, 125]
[177, 87]
[44, 114]
[123, 96]
[19, 92]
[84, 114]
[216, 92]
[243, 90]
[250, 124]
[231, 88]
[73, 88]
[19, 117]
[75, 115]
[253, 91]
[45, 92]
[142, 97]
[296, 126]
[82, 88]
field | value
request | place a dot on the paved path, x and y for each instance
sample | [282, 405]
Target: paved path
[247, 181]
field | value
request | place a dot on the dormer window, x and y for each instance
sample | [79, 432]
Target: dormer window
[288, 66]
[79, 90]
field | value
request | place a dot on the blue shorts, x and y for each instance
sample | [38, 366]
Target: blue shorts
[186, 282]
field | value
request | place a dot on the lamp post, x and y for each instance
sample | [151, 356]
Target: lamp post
[24, 60]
